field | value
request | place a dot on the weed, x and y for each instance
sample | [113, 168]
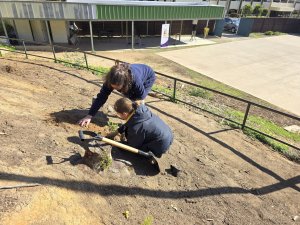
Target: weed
[148, 220]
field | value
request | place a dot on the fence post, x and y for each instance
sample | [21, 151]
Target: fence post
[246, 115]
[53, 50]
[86, 62]
[25, 49]
[174, 90]
[0, 53]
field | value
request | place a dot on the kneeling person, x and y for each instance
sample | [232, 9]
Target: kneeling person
[143, 130]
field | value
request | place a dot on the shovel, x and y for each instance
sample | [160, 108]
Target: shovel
[94, 136]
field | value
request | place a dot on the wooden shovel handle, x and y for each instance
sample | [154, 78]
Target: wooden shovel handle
[126, 147]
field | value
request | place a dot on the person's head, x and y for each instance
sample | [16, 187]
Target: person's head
[124, 107]
[119, 77]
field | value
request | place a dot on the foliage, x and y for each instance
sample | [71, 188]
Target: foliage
[257, 11]
[199, 92]
[247, 10]
[112, 126]
[76, 61]
[162, 89]
[264, 12]
[105, 161]
[9, 47]
[148, 220]
[268, 127]
[269, 32]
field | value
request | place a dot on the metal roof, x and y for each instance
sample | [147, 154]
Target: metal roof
[108, 10]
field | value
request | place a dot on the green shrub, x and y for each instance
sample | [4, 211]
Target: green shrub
[269, 32]
[257, 11]
[199, 92]
[247, 10]
[264, 12]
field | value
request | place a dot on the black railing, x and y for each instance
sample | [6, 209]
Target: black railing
[175, 81]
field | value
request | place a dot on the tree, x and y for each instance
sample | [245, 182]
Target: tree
[257, 11]
[247, 10]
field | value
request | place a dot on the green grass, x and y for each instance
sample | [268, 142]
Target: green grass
[8, 47]
[79, 63]
[268, 127]
[162, 89]
[263, 125]
[100, 71]
[199, 92]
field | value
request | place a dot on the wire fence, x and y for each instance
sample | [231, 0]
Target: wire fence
[241, 113]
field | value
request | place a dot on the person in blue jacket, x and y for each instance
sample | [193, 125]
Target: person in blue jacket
[132, 80]
[143, 129]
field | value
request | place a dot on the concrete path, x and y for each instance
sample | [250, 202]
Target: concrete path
[268, 68]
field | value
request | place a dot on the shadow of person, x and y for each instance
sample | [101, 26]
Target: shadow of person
[74, 159]
[74, 115]
[141, 165]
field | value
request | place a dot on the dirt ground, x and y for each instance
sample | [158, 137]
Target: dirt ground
[225, 177]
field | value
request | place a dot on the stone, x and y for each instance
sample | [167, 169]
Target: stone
[293, 129]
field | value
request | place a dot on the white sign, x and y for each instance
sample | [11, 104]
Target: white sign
[164, 35]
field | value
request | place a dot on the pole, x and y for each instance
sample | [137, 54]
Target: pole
[25, 49]
[127, 32]
[86, 62]
[180, 29]
[132, 35]
[91, 33]
[4, 28]
[246, 115]
[48, 32]
[174, 90]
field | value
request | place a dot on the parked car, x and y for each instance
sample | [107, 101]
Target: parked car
[231, 24]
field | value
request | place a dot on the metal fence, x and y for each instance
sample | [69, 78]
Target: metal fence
[173, 89]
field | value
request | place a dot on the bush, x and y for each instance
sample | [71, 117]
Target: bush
[199, 92]
[269, 32]
[247, 10]
[264, 12]
[257, 11]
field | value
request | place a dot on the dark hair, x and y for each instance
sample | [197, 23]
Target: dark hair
[120, 75]
[125, 105]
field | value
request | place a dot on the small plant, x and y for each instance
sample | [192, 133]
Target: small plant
[105, 161]
[199, 92]
[112, 126]
[98, 70]
[269, 33]
[148, 220]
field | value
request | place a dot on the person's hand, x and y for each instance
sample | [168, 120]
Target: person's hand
[84, 122]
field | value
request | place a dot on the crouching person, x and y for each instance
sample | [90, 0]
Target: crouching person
[143, 130]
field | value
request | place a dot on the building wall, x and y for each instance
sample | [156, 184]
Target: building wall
[59, 30]
[39, 30]
[24, 30]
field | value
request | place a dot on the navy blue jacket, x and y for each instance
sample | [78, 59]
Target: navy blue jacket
[143, 78]
[147, 132]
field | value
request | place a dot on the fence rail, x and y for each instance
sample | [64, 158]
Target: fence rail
[173, 96]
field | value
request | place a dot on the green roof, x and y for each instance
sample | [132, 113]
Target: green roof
[161, 12]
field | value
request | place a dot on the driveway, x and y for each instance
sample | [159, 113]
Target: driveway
[268, 68]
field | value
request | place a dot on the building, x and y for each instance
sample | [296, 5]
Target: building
[49, 21]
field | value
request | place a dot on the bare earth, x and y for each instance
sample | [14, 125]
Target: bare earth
[225, 177]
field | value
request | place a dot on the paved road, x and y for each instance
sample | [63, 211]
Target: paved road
[268, 68]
